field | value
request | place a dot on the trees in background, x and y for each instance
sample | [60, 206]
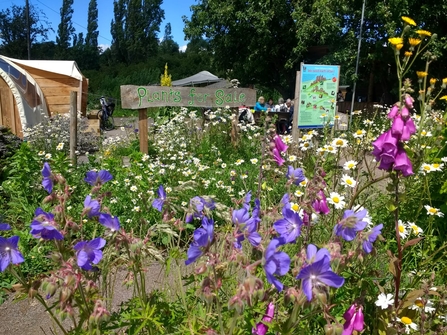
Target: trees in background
[13, 29]
[65, 30]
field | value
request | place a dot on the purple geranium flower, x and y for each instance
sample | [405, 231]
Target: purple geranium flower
[351, 223]
[98, 178]
[320, 203]
[261, 328]
[91, 207]
[318, 271]
[198, 206]
[44, 226]
[109, 221]
[9, 252]
[89, 252]
[5, 226]
[47, 181]
[289, 227]
[354, 319]
[203, 237]
[158, 203]
[296, 175]
[276, 263]
[370, 238]
[247, 226]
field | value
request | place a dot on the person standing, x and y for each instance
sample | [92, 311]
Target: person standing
[270, 104]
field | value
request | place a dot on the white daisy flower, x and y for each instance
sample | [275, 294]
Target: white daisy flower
[48, 156]
[437, 166]
[304, 182]
[426, 168]
[294, 207]
[223, 165]
[420, 305]
[444, 159]
[426, 133]
[298, 193]
[136, 209]
[60, 146]
[330, 148]
[168, 189]
[415, 229]
[291, 158]
[133, 188]
[403, 232]
[339, 143]
[433, 211]
[239, 162]
[359, 133]
[408, 323]
[254, 161]
[348, 181]
[350, 165]
[384, 300]
[337, 200]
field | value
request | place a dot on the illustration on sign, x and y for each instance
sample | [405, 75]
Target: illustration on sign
[318, 95]
[136, 97]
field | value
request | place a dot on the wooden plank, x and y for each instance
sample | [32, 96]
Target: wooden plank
[55, 91]
[5, 101]
[39, 74]
[142, 128]
[295, 129]
[48, 82]
[137, 97]
[73, 126]
[58, 109]
[19, 129]
[58, 99]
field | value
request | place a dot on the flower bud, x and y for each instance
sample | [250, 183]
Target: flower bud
[338, 330]
[237, 304]
[64, 295]
[321, 297]
[200, 269]
[329, 329]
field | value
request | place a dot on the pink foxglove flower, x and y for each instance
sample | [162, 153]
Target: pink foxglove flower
[354, 319]
[261, 328]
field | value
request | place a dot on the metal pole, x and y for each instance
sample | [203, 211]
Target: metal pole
[357, 64]
[28, 28]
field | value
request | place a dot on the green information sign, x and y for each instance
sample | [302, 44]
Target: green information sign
[318, 95]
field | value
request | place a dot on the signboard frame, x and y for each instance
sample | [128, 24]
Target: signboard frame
[322, 106]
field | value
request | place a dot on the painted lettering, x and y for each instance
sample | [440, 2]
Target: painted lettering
[220, 97]
[141, 94]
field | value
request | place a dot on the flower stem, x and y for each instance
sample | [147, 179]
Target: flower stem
[397, 278]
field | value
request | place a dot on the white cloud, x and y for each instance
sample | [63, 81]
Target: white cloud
[104, 47]
[182, 48]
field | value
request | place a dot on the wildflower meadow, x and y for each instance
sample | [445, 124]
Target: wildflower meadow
[335, 232]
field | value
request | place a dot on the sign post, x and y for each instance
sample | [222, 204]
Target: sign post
[318, 87]
[295, 129]
[143, 97]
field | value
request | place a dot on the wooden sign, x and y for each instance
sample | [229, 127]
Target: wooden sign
[138, 97]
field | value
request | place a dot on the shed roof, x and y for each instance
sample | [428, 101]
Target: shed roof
[65, 67]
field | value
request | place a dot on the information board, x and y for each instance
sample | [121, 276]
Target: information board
[137, 97]
[317, 95]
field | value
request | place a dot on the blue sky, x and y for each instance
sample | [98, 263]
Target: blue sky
[174, 10]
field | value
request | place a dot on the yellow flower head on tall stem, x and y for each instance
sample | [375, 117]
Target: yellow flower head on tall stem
[444, 97]
[395, 41]
[399, 46]
[414, 41]
[421, 74]
[408, 54]
[423, 33]
[408, 20]
[444, 80]
[433, 81]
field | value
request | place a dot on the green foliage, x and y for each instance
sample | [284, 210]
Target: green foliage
[65, 30]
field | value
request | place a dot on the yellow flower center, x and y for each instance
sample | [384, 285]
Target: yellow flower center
[330, 148]
[306, 144]
[401, 228]
[336, 200]
[359, 132]
[427, 167]
[432, 210]
[295, 207]
[351, 165]
[419, 303]
[415, 229]
[349, 181]
[436, 165]
[423, 133]
[339, 142]
[405, 320]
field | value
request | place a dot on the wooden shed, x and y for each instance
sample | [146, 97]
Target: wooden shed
[57, 79]
[22, 102]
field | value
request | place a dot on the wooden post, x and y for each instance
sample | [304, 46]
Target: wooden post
[234, 127]
[295, 129]
[73, 126]
[142, 128]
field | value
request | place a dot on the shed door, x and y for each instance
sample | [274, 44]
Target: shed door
[9, 114]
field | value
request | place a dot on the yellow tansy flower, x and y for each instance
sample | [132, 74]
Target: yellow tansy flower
[408, 20]
[408, 54]
[444, 80]
[423, 33]
[395, 40]
[399, 46]
[444, 97]
[433, 81]
[422, 74]
[414, 41]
